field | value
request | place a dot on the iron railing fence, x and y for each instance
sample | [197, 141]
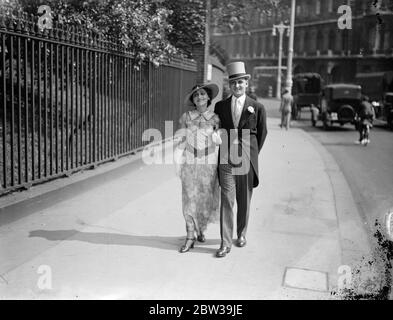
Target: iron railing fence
[71, 99]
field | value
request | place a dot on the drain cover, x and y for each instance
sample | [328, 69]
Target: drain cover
[305, 279]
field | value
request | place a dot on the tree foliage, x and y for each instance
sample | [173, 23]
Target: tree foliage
[188, 20]
[142, 27]
[150, 29]
[234, 15]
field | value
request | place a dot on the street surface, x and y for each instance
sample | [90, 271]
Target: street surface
[116, 234]
[368, 170]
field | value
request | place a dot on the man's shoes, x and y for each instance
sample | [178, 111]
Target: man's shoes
[241, 242]
[222, 252]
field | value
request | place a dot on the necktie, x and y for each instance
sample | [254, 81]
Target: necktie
[237, 112]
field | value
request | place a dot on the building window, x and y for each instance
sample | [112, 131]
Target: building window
[332, 40]
[306, 42]
[313, 41]
[298, 41]
[230, 46]
[320, 41]
[345, 40]
[301, 42]
[318, 7]
[339, 41]
[330, 5]
[251, 40]
[264, 46]
[387, 40]
[261, 18]
[245, 46]
[236, 50]
[306, 9]
[259, 46]
[298, 10]
[272, 44]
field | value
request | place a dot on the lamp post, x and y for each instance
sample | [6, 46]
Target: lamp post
[289, 81]
[281, 28]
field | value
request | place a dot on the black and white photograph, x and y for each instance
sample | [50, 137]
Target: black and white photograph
[196, 155]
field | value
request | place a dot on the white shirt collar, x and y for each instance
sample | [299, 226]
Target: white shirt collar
[194, 114]
[241, 99]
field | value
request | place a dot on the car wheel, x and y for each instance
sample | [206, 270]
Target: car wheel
[294, 112]
[326, 124]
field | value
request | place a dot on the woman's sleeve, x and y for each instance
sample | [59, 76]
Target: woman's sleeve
[217, 122]
[182, 120]
[180, 134]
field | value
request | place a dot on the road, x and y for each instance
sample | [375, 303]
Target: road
[116, 234]
[368, 170]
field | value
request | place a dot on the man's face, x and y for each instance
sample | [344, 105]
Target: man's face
[238, 86]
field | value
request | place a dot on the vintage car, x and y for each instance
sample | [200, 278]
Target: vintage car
[387, 99]
[306, 91]
[387, 110]
[339, 103]
[378, 86]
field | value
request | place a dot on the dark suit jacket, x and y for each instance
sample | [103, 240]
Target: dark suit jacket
[255, 122]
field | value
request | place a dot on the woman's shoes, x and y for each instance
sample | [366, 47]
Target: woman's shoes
[201, 237]
[188, 245]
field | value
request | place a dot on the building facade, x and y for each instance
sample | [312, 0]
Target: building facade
[341, 45]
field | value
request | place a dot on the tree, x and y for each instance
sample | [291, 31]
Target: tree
[141, 27]
[150, 29]
[188, 21]
[230, 15]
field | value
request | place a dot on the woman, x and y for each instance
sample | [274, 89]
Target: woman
[286, 109]
[198, 174]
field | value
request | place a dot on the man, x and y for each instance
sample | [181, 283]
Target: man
[286, 109]
[243, 120]
[366, 116]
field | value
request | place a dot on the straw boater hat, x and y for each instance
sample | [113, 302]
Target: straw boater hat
[211, 89]
[236, 70]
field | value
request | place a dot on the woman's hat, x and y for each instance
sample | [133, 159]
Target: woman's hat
[237, 70]
[211, 89]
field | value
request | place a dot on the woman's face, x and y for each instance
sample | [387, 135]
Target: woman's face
[200, 98]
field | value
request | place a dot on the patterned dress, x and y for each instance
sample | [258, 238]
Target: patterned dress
[200, 189]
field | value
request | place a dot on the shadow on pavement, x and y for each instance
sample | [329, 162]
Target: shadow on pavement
[321, 129]
[167, 243]
[346, 144]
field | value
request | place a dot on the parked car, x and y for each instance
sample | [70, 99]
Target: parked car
[378, 86]
[339, 103]
[306, 91]
[387, 109]
[387, 100]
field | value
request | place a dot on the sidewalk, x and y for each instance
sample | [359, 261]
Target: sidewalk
[119, 239]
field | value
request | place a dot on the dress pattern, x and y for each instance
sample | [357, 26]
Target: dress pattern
[200, 188]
